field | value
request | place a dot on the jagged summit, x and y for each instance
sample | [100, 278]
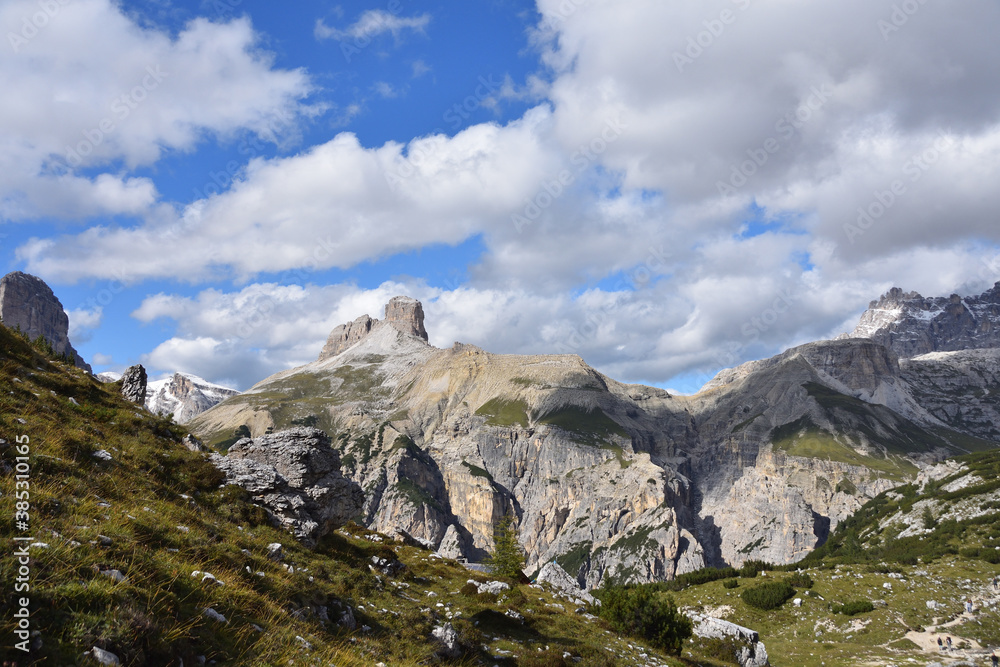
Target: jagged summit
[26, 302]
[403, 313]
[910, 324]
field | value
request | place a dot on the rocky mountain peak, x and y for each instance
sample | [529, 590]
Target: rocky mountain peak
[403, 313]
[26, 302]
[910, 324]
[407, 315]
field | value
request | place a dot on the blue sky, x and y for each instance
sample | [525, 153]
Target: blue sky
[211, 186]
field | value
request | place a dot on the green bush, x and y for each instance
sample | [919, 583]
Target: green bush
[731, 583]
[770, 595]
[800, 580]
[752, 568]
[696, 578]
[853, 607]
[642, 613]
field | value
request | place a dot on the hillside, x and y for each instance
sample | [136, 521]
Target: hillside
[618, 483]
[132, 540]
[916, 554]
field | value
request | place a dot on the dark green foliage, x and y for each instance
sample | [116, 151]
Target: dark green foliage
[800, 580]
[698, 577]
[928, 518]
[642, 613]
[507, 558]
[853, 608]
[731, 583]
[752, 568]
[769, 595]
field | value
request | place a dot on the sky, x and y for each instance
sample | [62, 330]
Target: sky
[666, 188]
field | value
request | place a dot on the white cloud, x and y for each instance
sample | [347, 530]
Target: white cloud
[83, 322]
[143, 92]
[373, 23]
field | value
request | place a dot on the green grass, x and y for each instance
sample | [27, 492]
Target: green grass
[592, 427]
[504, 413]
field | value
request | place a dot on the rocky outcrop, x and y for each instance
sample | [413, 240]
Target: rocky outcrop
[26, 302]
[184, 396]
[402, 313]
[911, 325]
[565, 585]
[751, 651]
[296, 475]
[134, 384]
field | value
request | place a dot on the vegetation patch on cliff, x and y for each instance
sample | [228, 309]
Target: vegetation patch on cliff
[504, 412]
[589, 426]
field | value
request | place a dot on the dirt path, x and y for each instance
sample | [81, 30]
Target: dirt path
[927, 640]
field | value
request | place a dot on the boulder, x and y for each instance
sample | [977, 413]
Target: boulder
[752, 653]
[447, 637]
[134, 384]
[296, 475]
[566, 585]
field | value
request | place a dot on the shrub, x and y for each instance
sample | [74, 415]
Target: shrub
[800, 580]
[752, 568]
[644, 614]
[770, 595]
[731, 583]
[469, 590]
[853, 607]
[507, 558]
[928, 518]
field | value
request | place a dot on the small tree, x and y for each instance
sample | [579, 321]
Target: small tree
[507, 558]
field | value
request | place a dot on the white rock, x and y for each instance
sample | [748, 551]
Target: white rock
[103, 657]
[102, 454]
[214, 615]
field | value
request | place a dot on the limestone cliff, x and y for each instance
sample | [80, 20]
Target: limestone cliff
[613, 481]
[26, 302]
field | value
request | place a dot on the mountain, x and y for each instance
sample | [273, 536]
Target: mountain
[27, 303]
[911, 325]
[184, 396]
[615, 482]
[135, 554]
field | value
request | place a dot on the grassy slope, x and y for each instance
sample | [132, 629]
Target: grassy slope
[166, 517]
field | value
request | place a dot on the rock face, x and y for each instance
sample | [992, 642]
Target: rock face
[27, 302]
[402, 313]
[184, 396]
[912, 325]
[296, 475]
[134, 384]
[613, 482]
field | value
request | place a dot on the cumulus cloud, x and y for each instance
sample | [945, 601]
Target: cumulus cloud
[703, 183]
[144, 92]
[372, 23]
